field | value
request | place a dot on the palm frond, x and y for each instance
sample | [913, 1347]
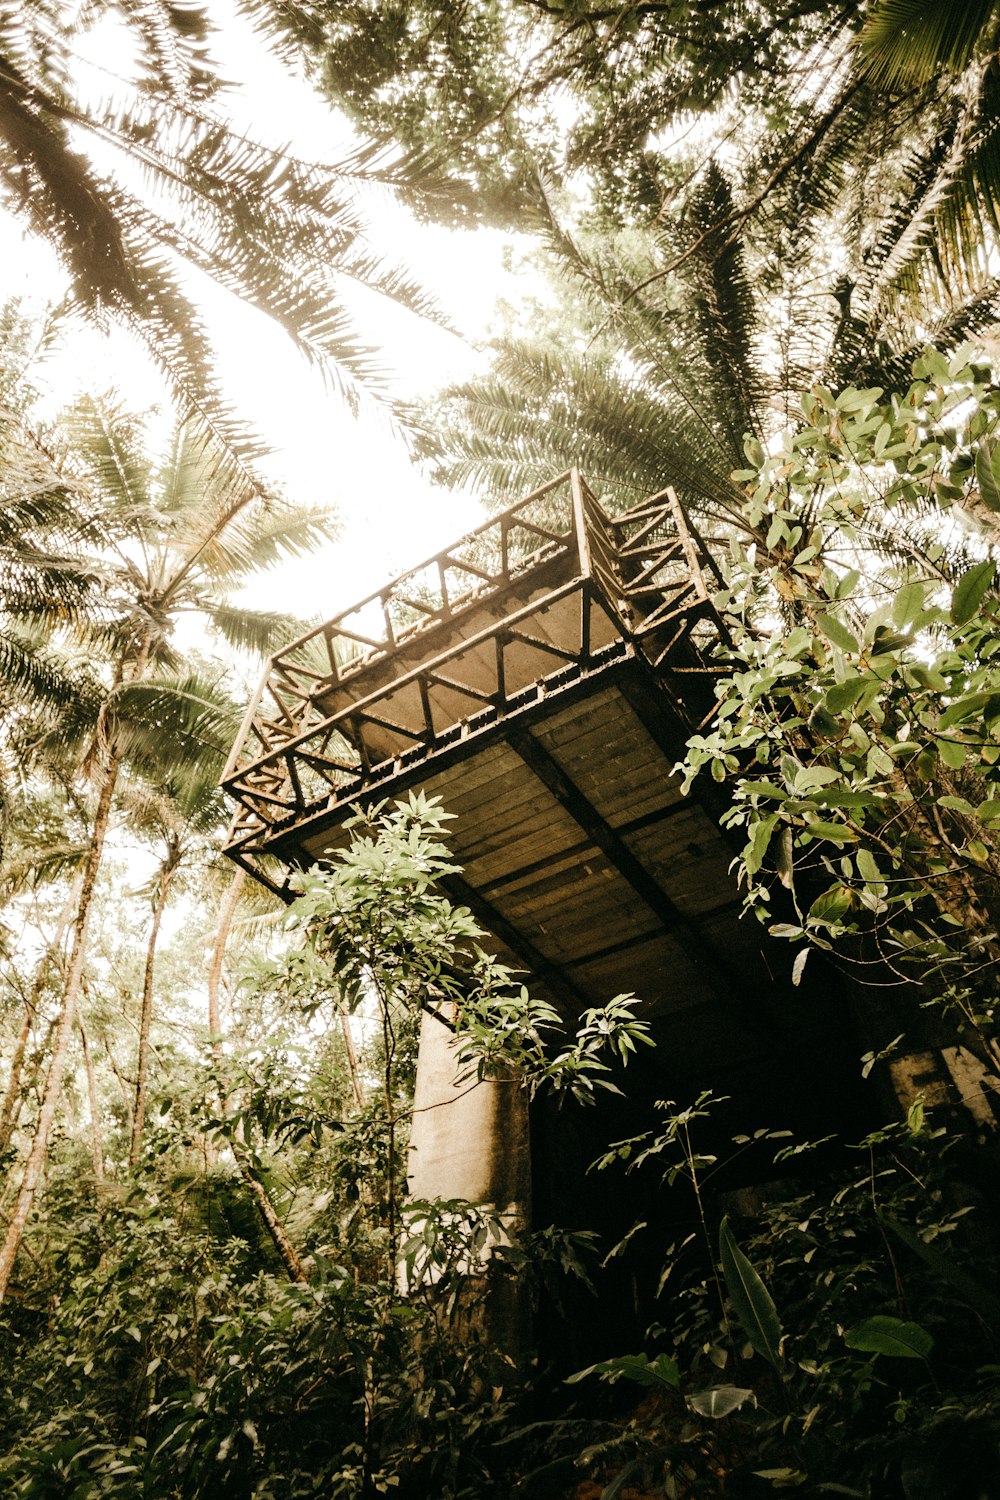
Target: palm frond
[910, 41]
[161, 722]
[250, 629]
[282, 234]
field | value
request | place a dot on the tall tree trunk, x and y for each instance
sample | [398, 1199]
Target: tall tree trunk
[10, 1107]
[351, 1051]
[123, 1089]
[167, 871]
[35, 1061]
[64, 1028]
[96, 1148]
[7, 1112]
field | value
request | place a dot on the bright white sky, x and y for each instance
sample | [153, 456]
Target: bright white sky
[391, 516]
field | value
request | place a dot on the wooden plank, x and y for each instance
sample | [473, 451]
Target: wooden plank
[656, 970]
[689, 860]
[539, 875]
[565, 990]
[590, 921]
[480, 804]
[485, 860]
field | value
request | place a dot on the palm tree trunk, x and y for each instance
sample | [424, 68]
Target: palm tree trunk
[64, 1029]
[10, 1108]
[167, 870]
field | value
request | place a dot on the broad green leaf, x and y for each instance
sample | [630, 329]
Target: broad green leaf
[720, 1401]
[953, 753]
[835, 832]
[966, 707]
[844, 695]
[836, 632]
[661, 1371]
[815, 776]
[756, 849]
[970, 591]
[765, 789]
[751, 1300]
[893, 1337]
[831, 905]
[908, 604]
[867, 868]
[989, 490]
[960, 804]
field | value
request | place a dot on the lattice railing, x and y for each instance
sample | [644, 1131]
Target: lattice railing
[545, 588]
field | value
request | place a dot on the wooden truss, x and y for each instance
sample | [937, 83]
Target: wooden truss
[534, 602]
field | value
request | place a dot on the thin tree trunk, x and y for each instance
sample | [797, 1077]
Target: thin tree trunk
[96, 1148]
[167, 870]
[352, 1055]
[123, 1089]
[272, 1223]
[10, 1108]
[64, 1029]
[7, 1113]
[35, 1064]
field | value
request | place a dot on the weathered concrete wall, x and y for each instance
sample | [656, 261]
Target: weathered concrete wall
[468, 1140]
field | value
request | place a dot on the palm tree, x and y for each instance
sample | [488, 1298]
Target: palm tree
[666, 384]
[181, 816]
[179, 534]
[284, 235]
[50, 570]
[832, 120]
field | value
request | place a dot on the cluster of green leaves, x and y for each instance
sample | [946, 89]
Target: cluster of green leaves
[375, 920]
[170, 1364]
[156, 1347]
[843, 1341]
[858, 723]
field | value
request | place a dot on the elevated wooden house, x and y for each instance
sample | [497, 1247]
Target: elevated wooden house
[540, 677]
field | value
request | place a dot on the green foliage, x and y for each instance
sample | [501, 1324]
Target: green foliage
[859, 1373]
[861, 741]
[181, 184]
[376, 921]
[751, 1301]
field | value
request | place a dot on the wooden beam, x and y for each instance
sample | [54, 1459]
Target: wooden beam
[522, 947]
[612, 846]
[644, 693]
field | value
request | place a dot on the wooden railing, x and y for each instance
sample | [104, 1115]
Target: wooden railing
[547, 587]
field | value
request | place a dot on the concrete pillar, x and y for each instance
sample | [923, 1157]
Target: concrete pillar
[468, 1140]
